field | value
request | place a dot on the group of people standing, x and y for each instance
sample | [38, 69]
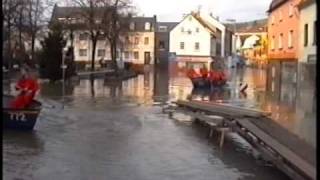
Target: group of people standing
[211, 75]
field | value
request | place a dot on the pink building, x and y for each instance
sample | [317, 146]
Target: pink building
[283, 30]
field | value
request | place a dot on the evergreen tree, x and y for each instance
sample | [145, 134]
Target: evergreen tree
[50, 63]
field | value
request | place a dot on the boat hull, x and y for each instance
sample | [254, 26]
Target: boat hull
[204, 83]
[20, 119]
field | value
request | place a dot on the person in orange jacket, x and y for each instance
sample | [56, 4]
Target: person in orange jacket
[192, 73]
[28, 87]
[204, 72]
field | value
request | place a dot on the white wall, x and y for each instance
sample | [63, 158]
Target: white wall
[307, 16]
[203, 37]
[102, 44]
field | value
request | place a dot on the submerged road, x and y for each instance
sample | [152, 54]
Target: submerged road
[112, 131]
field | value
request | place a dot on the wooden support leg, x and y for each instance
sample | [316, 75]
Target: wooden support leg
[211, 132]
[222, 138]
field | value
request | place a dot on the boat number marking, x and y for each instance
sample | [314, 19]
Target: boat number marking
[18, 117]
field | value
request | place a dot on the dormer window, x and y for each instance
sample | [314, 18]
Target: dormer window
[147, 26]
[132, 26]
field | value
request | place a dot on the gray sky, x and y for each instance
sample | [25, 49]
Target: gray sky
[173, 10]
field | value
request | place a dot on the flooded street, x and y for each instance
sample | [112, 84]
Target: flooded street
[105, 130]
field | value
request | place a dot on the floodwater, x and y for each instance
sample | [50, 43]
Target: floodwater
[105, 130]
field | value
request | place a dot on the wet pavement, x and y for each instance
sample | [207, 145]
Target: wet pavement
[114, 130]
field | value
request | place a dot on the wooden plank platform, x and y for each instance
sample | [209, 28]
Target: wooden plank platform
[300, 155]
[300, 163]
[222, 109]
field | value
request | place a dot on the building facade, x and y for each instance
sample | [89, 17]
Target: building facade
[193, 41]
[162, 42]
[283, 30]
[308, 30]
[137, 45]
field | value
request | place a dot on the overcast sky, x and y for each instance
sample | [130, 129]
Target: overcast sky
[173, 10]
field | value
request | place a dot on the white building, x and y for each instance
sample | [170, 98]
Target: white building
[136, 46]
[308, 30]
[198, 39]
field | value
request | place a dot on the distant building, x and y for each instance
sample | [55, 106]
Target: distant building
[251, 40]
[198, 39]
[283, 30]
[307, 31]
[136, 46]
[162, 41]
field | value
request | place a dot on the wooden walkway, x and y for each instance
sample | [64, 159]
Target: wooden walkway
[286, 150]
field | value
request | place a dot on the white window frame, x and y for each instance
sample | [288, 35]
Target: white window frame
[272, 43]
[147, 26]
[146, 42]
[280, 41]
[195, 46]
[182, 45]
[85, 54]
[132, 26]
[290, 39]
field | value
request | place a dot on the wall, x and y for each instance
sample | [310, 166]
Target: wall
[307, 16]
[203, 37]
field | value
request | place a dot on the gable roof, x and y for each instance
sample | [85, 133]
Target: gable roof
[205, 24]
[75, 12]
[275, 4]
[259, 25]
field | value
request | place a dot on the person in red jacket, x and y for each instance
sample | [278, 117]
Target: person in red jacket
[28, 87]
[192, 73]
[204, 72]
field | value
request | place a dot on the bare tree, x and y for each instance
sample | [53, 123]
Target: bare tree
[91, 13]
[35, 10]
[9, 9]
[117, 14]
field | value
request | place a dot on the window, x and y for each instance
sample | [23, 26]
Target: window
[161, 45]
[127, 39]
[181, 45]
[272, 42]
[305, 34]
[290, 36]
[280, 16]
[162, 28]
[197, 29]
[280, 41]
[132, 26]
[83, 36]
[189, 31]
[136, 55]
[182, 29]
[272, 20]
[147, 26]
[290, 10]
[136, 40]
[126, 54]
[146, 40]
[315, 32]
[82, 52]
[196, 46]
[101, 52]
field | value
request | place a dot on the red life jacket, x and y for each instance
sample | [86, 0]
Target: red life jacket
[28, 88]
[204, 72]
